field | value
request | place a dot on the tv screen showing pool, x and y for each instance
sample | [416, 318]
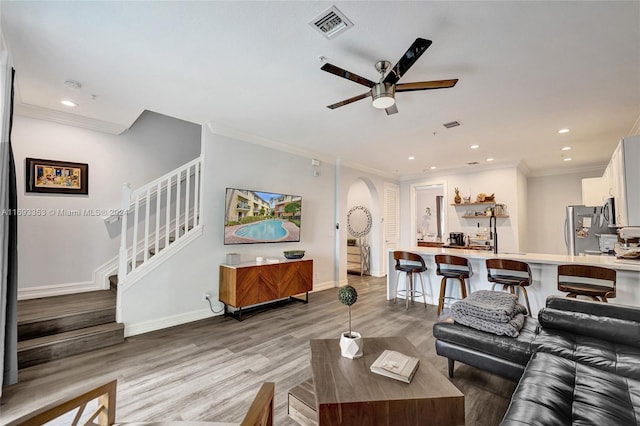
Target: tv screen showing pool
[253, 217]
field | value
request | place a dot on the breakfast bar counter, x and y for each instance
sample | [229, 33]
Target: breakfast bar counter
[543, 269]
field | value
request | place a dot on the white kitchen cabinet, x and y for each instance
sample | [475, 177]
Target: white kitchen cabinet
[625, 180]
[594, 191]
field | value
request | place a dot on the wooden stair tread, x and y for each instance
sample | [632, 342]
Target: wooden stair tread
[56, 346]
[69, 335]
[302, 404]
[32, 310]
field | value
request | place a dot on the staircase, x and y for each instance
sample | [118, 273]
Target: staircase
[55, 327]
[165, 212]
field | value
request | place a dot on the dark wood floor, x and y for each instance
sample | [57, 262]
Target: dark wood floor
[211, 369]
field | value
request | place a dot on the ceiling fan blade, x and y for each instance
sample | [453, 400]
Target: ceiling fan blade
[426, 85]
[393, 109]
[410, 57]
[350, 100]
[346, 74]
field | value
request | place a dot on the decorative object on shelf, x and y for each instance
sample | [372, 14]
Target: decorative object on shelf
[233, 258]
[350, 341]
[351, 242]
[467, 200]
[457, 199]
[294, 254]
[58, 177]
[500, 209]
[484, 198]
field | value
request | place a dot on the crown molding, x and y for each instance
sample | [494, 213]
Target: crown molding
[597, 168]
[259, 140]
[68, 119]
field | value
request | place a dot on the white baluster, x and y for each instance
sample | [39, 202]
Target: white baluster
[156, 244]
[122, 255]
[134, 245]
[147, 212]
[178, 204]
[202, 184]
[186, 200]
[196, 195]
[167, 222]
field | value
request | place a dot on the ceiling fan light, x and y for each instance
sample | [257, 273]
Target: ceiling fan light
[382, 94]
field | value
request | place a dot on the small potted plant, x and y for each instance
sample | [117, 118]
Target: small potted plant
[350, 341]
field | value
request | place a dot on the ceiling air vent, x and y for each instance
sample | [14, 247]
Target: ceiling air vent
[472, 163]
[451, 124]
[331, 22]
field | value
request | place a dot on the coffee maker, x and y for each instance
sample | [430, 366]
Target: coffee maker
[456, 238]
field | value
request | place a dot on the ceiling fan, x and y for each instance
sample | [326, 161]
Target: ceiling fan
[383, 92]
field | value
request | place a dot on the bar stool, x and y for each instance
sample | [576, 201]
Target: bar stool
[454, 267]
[501, 268]
[594, 287]
[409, 263]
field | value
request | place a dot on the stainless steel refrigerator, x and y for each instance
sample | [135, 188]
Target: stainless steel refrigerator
[583, 225]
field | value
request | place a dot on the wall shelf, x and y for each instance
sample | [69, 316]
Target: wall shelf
[499, 216]
[484, 203]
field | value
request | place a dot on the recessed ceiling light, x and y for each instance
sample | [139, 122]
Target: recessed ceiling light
[474, 146]
[68, 103]
[489, 159]
[566, 148]
[563, 131]
[433, 167]
[566, 159]
[412, 158]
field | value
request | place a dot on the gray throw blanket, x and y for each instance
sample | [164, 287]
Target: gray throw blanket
[491, 311]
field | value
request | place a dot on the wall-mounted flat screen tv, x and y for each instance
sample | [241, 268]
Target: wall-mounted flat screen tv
[253, 217]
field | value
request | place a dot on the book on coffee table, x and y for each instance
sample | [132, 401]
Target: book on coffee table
[396, 366]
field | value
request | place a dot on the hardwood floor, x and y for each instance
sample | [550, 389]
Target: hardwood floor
[212, 369]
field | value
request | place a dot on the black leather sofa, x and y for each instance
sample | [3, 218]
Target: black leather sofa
[578, 364]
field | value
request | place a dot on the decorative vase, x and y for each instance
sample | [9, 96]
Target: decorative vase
[351, 347]
[457, 199]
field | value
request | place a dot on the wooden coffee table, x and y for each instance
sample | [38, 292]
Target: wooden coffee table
[348, 393]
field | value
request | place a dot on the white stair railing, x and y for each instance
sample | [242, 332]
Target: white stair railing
[175, 214]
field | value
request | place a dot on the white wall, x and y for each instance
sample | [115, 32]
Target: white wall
[502, 182]
[57, 251]
[547, 199]
[177, 286]
[375, 186]
[426, 199]
[359, 195]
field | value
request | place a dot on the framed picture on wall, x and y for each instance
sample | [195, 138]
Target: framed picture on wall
[58, 177]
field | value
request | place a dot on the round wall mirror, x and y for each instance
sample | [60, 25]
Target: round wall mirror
[359, 221]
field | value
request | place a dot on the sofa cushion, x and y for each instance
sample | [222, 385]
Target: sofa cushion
[611, 310]
[602, 354]
[515, 349]
[623, 331]
[558, 391]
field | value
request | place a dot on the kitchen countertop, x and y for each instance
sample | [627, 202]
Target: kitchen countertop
[606, 261]
[544, 269]
[478, 247]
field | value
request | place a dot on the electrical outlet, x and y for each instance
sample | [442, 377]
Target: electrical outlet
[206, 296]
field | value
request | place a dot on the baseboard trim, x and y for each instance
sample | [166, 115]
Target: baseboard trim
[57, 290]
[323, 286]
[133, 329]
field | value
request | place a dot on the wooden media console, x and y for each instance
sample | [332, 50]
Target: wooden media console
[248, 285]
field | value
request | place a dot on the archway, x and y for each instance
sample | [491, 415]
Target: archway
[363, 202]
